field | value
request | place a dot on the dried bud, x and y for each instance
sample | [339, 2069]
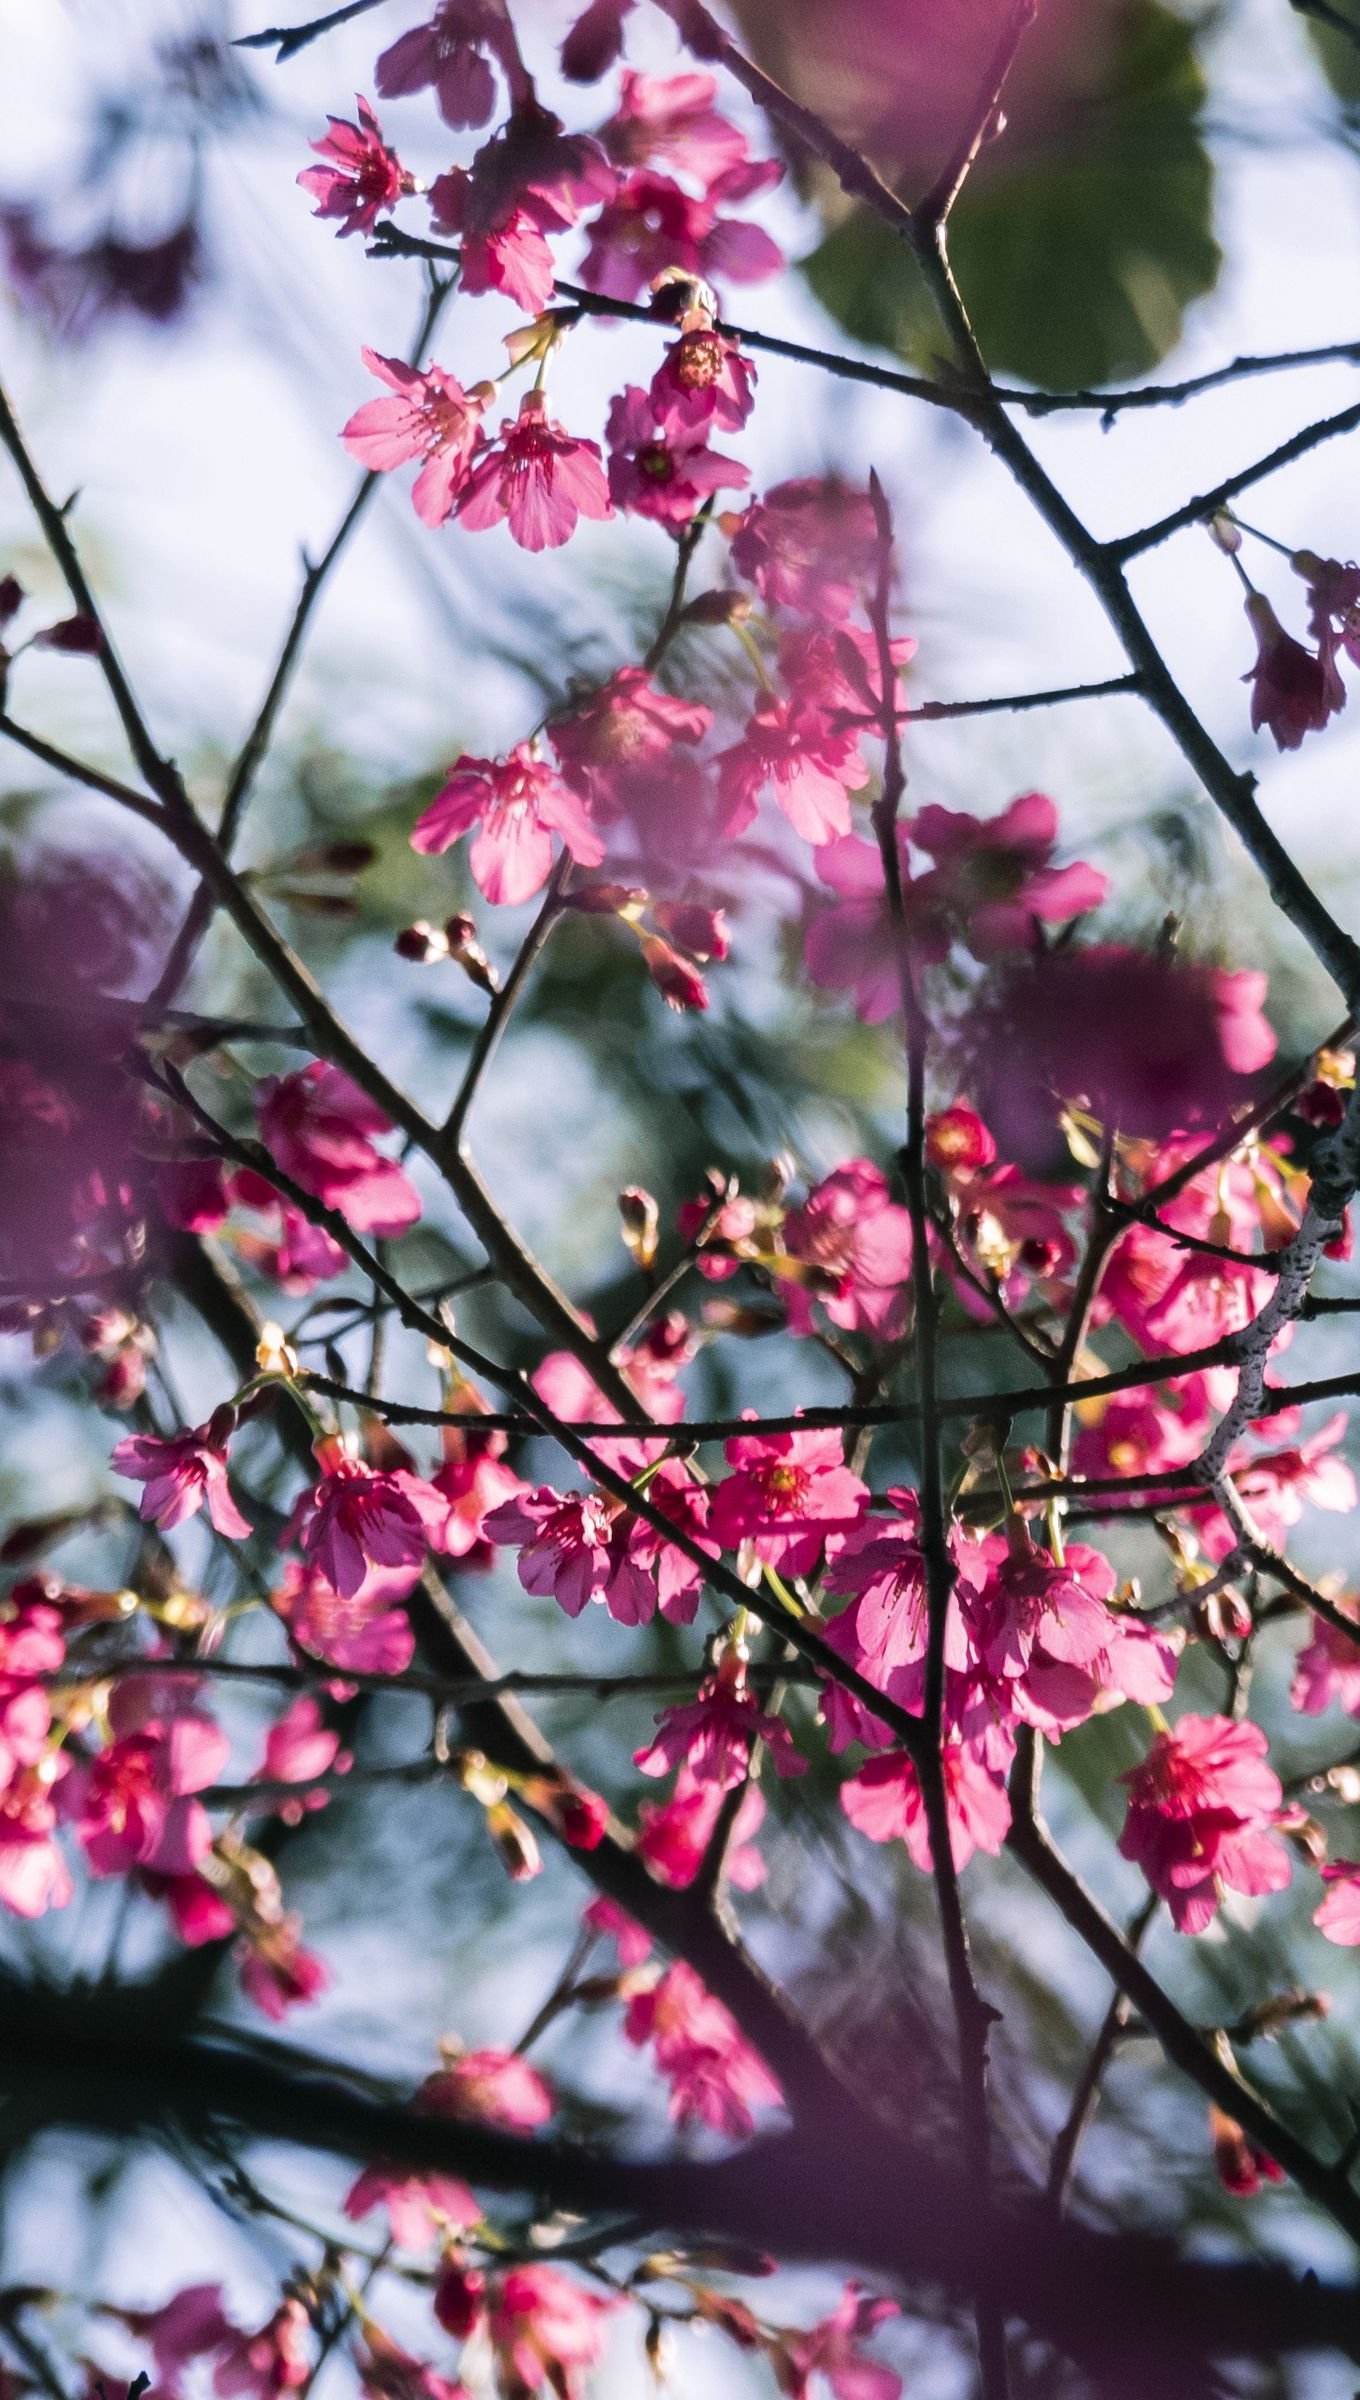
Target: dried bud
[676, 294]
[537, 340]
[79, 635]
[660, 2348]
[11, 597]
[640, 1220]
[1224, 1616]
[1271, 2016]
[421, 944]
[1223, 529]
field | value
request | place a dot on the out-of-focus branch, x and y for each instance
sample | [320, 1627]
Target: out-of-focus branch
[287, 40]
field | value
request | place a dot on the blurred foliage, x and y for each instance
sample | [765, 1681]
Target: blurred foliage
[1078, 263]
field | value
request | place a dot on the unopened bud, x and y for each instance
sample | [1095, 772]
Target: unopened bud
[608, 900]
[718, 607]
[702, 932]
[460, 933]
[514, 1843]
[78, 635]
[640, 1223]
[681, 985]
[274, 1353]
[1223, 529]
[422, 944]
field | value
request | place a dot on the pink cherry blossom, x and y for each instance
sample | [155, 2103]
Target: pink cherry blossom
[421, 2209]
[1153, 1044]
[786, 1494]
[363, 1632]
[704, 381]
[133, 1805]
[33, 1874]
[1327, 1670]
[277, 1973]
[884, 1801]
[364, 177]
[489, 2087]
[387, 2372]
[536, 478]
[182, 1473]
[661, 471]
[563, 1540]
[833, 2349]
[855, 946]
[432, 418]
[651, 225]
[1293, 690]
[1333, 604]
[595, 40]
[812, 766]
[266, 2364]
[883, 1634]
[321, 1130]
[1339, 1915]
[472, 1480]
[32, 1646]
[518, 803]
[809, 545]
[1201, 1808]
[670, 121]
[648, 1572]
[545, 2331]
[857, 1237]
[673, 1836]
[716, 2078]
[529, 180]
[717, 1732]
[299, 1745]
[992, 877]
[450, 54]
[353, 1520]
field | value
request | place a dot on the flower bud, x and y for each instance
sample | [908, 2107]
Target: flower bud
[640, 1224]
[700, 931]
[681, 985]
[1223, 529]
[79, 635]
[514, 1843]
[718, 607]
[421, 944]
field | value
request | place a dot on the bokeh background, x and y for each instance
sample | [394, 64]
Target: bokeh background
[1179, 186]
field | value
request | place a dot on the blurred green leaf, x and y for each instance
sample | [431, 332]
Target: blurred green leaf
[1339, 59]
[1077, 267]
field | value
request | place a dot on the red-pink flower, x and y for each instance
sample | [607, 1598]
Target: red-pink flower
[563, 1540]
[648, 1571]
[133, 1805]
[670, 120]
[833, 2348]
[673, 1838]
[859, 1240]
[1201, 1809]
[884, 1801]
[627, 748]
[277, 1973]
[321, 1129]
[353, 1520]
[363, 177]
[662, 471]
[182, 1473]
[271, 2362]
[32, 1646]
[536, 478]
[362, 1632]
[1327, 1670]
[518, 803]
[651, 224]
[787, 1493]
[450, 54]
[884, 1632]
[810, 545]
[813, 764]
[300, 1747]
[704, 381]
[992, 877]
[529, 180]
[1339, 1915]
[1153, 1044]
[545, 2331]
[420, 2208]
[489, 2087]
[472, 1480]
[33, 1873]
[1293, 690]
[431, 418]
[855, 946]
[716, 2078]
[716, 1733]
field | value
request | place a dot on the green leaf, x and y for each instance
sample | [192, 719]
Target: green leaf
[1338, 55]
[1078, 263]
